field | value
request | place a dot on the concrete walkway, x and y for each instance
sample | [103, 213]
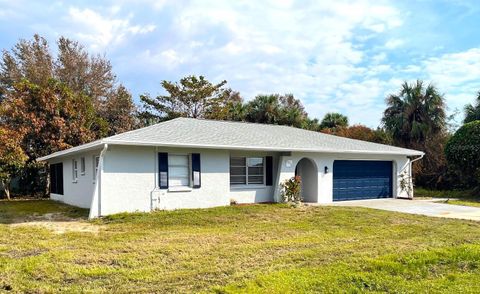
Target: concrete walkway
[423, 207]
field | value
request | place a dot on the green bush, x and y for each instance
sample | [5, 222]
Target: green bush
[291, 190]
[463, 152]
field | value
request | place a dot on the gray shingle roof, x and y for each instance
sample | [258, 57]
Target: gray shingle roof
[189, 132]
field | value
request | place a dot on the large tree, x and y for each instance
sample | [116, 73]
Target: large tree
[462, 152]
[192, 96]
[12, 157]
[415, 117]
[472, 111]
[73, 66]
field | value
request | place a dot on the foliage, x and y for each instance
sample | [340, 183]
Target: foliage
[275, 250]
[463, 152]
[12, 157]
[119, 112]
[406, 184]
[472, 111]
[416, 119]
[276, 109]
[334, 121]
[84, 75]
[192, 97]
[59, 101]
[291, 190]
[361, 132]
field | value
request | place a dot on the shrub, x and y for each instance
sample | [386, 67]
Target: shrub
[291, 190]
[463, 152]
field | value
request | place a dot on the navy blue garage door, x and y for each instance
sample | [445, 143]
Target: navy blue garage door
[359, 179]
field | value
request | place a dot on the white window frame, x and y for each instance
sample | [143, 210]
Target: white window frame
[82, 166]
[95, 166]
[74, 170]
[189, 171]
[246, 172]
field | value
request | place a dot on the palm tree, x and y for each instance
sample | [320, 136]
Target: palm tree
[334, 121]
[472, 111]
[415, 114]
[264, 109]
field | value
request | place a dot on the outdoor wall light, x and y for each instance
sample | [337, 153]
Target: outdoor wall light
[326, 169]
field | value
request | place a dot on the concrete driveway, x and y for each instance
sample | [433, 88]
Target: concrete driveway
[423, 207]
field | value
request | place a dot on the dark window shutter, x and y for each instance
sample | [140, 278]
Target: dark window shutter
[196, 174]
[163, 170]
[59, 178]
[269, 170]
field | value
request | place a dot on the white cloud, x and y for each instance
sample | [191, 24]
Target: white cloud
[457, 75]
[101, 31]
[394, 43]
[309, 49]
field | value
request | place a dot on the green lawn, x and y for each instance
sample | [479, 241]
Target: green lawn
[426, 193]
[258, 248]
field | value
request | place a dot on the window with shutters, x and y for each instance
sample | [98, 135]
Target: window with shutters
[247, 171]
[178, 170]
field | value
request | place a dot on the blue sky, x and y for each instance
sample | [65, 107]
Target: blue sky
[343, 56]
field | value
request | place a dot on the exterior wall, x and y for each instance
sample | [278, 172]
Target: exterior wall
[77, 193]
[325, 180]
[253, 194]
[129, 179]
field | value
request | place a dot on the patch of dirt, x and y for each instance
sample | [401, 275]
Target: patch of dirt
[58, 223]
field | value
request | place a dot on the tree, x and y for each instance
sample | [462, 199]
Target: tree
[472, 111]
[264, 109]
[191, 97]
[292, 112]
[415, 118]
[51, 118]
[276, 109]
[82, 73]
[12, 157]
[333, 120]
[462, 153]
[364, 133]
[119, 111]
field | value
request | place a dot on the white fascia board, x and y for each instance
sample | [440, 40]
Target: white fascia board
[84, 147]
[407, 152]
[99, 143]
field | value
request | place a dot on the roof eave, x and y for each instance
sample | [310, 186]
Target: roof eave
[96, 144]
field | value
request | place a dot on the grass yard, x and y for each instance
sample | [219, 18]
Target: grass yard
[257, 248]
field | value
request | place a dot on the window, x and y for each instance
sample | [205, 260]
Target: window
[178, 171]
[96, 160]
[247, 171]
[74, 170]
[82, 166]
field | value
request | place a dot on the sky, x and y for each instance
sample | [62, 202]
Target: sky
[335, 56]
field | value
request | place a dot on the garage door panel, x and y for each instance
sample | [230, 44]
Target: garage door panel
[358, 179]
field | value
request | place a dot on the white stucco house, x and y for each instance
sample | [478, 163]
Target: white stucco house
[195, 163]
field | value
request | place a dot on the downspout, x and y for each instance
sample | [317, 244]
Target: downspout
[95, 206]
[410, 171]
